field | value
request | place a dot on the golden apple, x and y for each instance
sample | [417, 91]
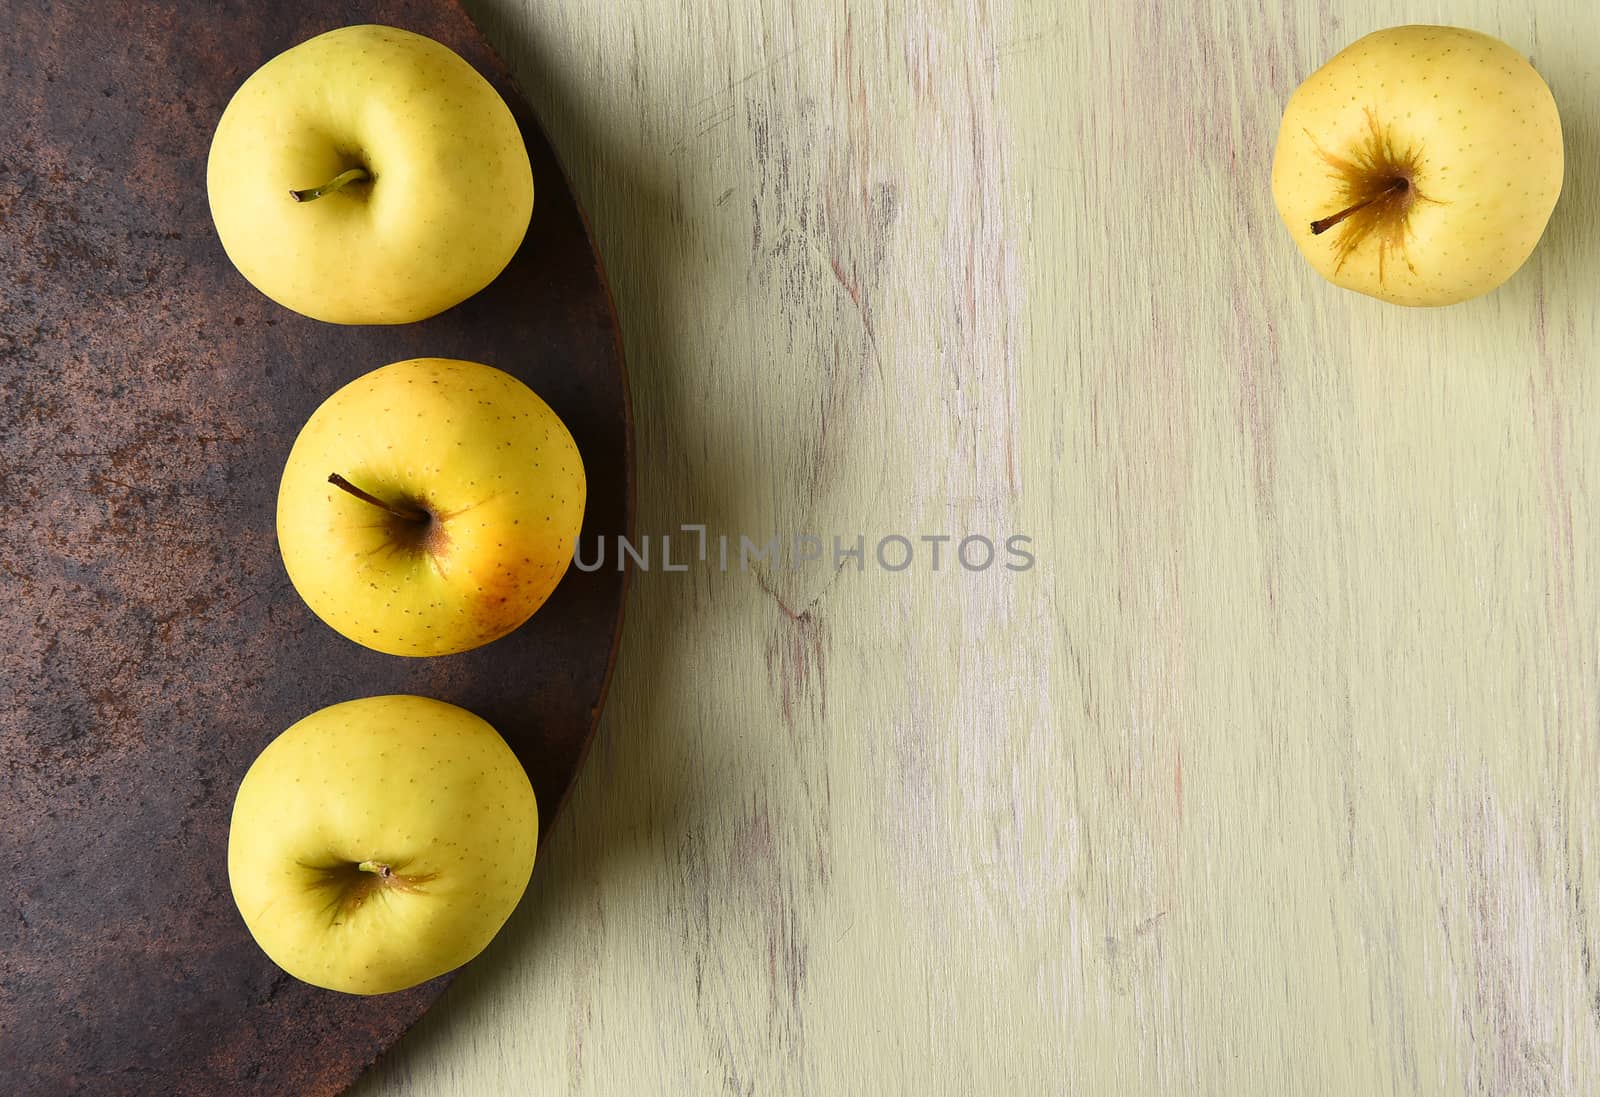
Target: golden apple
[1420, 165]
[378, 843]
[430, 506]
[369, 176]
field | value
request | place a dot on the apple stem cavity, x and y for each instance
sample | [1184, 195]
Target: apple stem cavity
[1398, 185]
[311, 194]
[378, 867]
[408, 514]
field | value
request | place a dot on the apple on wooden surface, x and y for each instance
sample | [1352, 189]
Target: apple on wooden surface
[430, 506]
[1420, 165]
[369, 176]
[379, 843]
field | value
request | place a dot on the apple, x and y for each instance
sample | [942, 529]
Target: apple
[1420, 165]
[430, 506]
[369, 176]
[379, 843]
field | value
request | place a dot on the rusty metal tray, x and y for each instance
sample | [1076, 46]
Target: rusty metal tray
[151, 644]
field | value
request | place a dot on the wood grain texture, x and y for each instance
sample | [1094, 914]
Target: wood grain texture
[1279, 774]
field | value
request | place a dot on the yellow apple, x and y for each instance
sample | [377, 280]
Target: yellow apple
[369, 176]
[1420, 165]
[379, 843]
[430, 506]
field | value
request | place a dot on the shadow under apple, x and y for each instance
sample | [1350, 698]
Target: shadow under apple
[626, 798]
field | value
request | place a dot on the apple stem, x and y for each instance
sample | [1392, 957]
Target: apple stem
[1398, 186]
[376, 866]
[410, 514]
[311, 194]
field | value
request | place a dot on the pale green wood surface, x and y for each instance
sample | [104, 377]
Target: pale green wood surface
[1279, 774]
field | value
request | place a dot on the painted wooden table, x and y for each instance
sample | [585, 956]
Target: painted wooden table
[1277, 773]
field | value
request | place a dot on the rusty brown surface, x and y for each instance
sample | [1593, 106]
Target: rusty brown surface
[151, 644]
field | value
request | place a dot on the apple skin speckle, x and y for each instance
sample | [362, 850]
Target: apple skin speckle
[501, 524]
[458, 858]
[446, 207]
[1464, 118]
